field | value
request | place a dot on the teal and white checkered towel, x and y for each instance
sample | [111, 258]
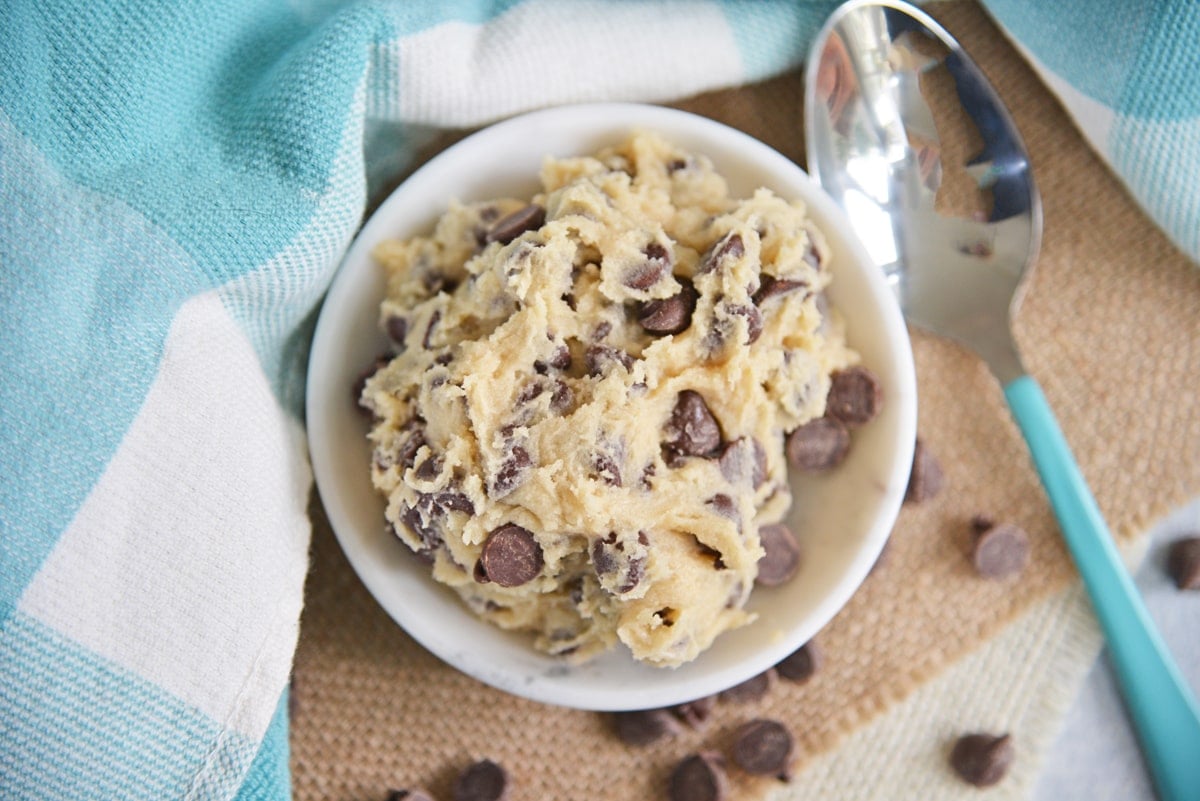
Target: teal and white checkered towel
[178, 182]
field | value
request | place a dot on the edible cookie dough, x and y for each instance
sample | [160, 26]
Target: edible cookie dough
[582, 426]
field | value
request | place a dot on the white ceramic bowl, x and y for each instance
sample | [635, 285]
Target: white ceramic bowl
[842, 518]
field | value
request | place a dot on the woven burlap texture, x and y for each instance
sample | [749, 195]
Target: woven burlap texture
[1110, 327]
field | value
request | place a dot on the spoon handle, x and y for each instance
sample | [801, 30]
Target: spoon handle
[1161, 704]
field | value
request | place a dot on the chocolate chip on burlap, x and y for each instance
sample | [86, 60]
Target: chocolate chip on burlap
[511, 556]
[697, 713]
[855, 396]
[982, 759]
[781, 555]
[481, 781]
[800, 665]
[926, 478]
[1000, 550]
[819, 444]
[508, 228]
[645, 726]
[415, 794]
[763, 747]
[699, 777]
[1183, 563]
[752, 689]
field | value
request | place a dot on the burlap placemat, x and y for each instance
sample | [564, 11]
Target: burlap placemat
[1111, 329]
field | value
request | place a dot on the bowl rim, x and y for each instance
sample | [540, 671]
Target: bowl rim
[601, 122]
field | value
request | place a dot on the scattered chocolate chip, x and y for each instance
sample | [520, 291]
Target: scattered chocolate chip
[926, 479]
[397, 328]
[696, 713]
[415, 794]
[752, 689]
[1183, 563]
[781, 555]
[771, 287]
[854, 396]
[982, 759]
[645, 726]
[800, 665]
[729, 248]
[482, 781]
[511, 556]
[692, 429]
[763, 747]
[512, 472]
[1000, 550]
[508, 228]
[819, 444]
[669, 315]
[699, 777]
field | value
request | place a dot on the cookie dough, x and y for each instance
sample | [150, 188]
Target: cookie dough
[582, 426]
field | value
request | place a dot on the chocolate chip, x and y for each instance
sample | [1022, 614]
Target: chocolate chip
[415, 794]
[482, 781]
[560, 360]
[648, 273]
[1183, 563]
[763, 747]
[781, 555]
[397, 328]
[451, 501]
[600, 358]
[429, 469]
[607, 469]
[819, 444]
[645, 726]
[855, 396]
[744, 459]
[754, 321]
[433, 321]
[508, 228]
[699, 777]
[1000, 551]
[511, 556]
[982, 759]
[800, 665]
[562, 398]
[926, 479]
[696, 713]
[752, 689]
[723, 505]
[512, 472]
[771, 287]
[729, 248]
[669, 315]
[692, 429]
[609, 559]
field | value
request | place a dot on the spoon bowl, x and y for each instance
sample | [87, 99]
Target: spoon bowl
[957, 267]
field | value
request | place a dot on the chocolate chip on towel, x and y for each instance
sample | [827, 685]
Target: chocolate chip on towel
[982, 759]
[800, 665]
[1183, 563]
[751, 689]
[819, 444]
[854, 396]
[645, 726]
[926, 479]
[1000, 550]
[508, 228]
[511, 556]
[699, 777]
[781, 555]
[763, 747]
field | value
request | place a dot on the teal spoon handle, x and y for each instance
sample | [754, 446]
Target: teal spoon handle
[1163, 708]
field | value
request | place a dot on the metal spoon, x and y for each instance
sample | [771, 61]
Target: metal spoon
[873, 145]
